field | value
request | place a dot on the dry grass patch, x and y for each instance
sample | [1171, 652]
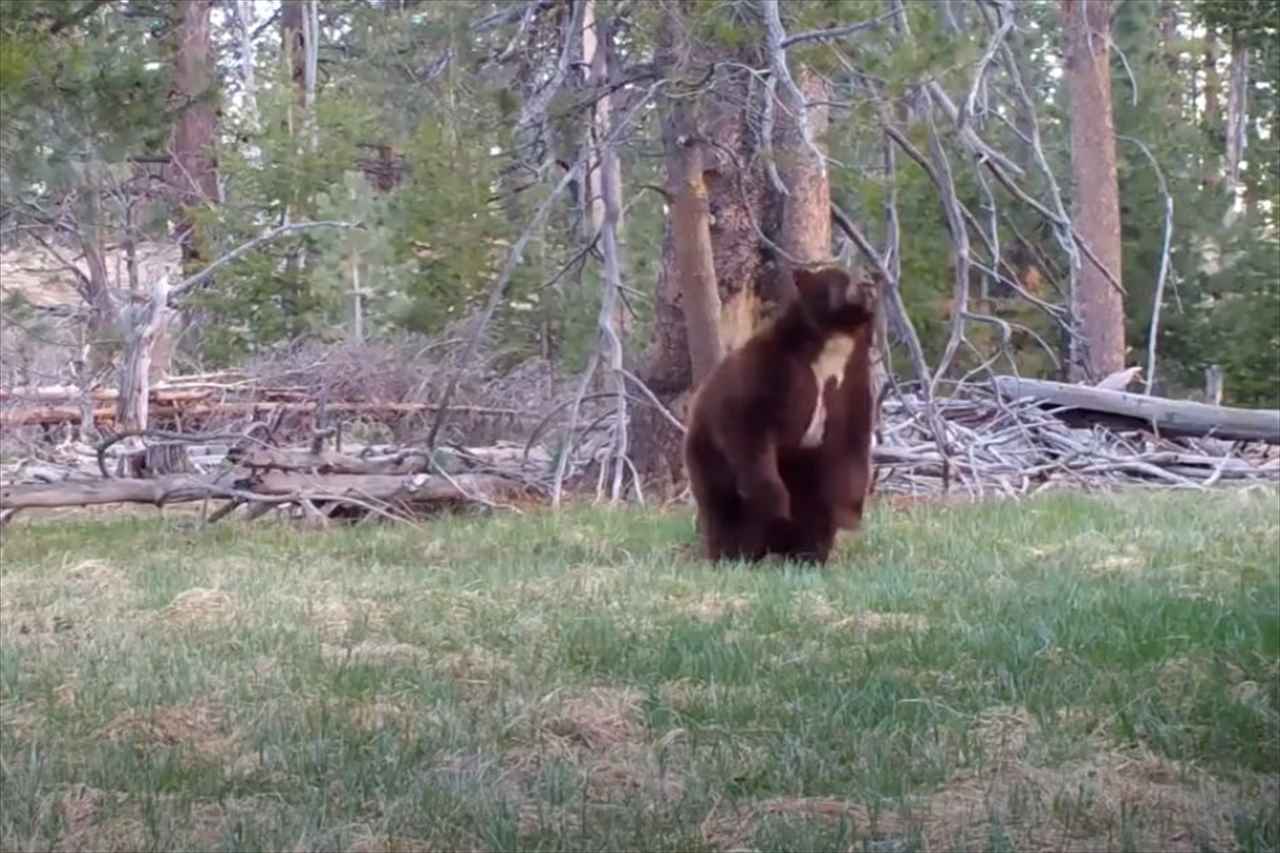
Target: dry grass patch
[1110, 799]
[597, 719]
[373, 653]
[394, 844]
[1129, 560]
[200, 726]
[589, 583]
[87, 591]
[712, 607]
[598, 732]
[96, 821]
[817, 608]
[477, 666]
[380, 713]
[199, 607]
[334, 616]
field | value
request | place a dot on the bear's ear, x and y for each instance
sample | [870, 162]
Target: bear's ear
[810, 284]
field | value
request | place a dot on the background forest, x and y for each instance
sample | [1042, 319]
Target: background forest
[517, 161]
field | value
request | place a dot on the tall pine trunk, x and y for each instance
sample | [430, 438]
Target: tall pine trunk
[1098, 348]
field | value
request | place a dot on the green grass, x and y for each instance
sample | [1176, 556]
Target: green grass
[1066, 673]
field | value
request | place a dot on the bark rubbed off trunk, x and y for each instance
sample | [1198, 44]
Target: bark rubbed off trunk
[691, 245]
[1098, 306]
[806, 219]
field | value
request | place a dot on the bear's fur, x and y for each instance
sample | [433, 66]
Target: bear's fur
[778, 448]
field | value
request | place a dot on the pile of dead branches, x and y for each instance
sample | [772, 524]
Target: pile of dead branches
[992, 440]
[1009, 437]
[227, 472]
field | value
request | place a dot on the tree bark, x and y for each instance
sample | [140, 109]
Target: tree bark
[739, 204]
[604, 170]
[705, 190]
[1212, 84]
[150, 325]
[806, 212]
[244, 19]
[1237, 108]
[1099, 347]
[193, 177]
[691, 245]
[192, 171]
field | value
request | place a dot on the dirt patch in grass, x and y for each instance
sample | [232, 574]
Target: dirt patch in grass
[598, 719]
[1113, 798]
[598, 732]
[97, 821]
[200, 726]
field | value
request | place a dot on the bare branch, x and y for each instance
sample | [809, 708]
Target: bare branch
[836, 32]
[778, 62]
[243, 249]
[517, 254]
[1157, 300]
[960, 242]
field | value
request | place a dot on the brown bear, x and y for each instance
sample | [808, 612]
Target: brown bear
[778, 447]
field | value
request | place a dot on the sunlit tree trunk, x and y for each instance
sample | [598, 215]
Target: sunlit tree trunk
[1099, 347]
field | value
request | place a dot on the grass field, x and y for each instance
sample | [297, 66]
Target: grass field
[1067, 673]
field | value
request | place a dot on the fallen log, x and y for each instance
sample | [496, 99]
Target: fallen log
[381, 487]
[273, 487]
[404, 462]
[52, 415]
[56, 395]
[176, 488]
[1080, 404]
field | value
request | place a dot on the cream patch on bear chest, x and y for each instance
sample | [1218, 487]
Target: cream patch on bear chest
[828, 365]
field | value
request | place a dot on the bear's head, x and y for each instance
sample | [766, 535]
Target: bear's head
[834, 301]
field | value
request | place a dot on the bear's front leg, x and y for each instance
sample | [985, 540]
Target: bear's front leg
[754, 458]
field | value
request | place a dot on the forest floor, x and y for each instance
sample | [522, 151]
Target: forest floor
[1069, 672]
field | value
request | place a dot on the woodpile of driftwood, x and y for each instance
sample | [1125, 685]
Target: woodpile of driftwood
[1009, 437]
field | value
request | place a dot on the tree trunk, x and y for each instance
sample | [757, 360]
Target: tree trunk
[192, 172]
[1212, 173]
[1098, 308]
[193, 177]
[602, 170]
[690, 235]
[244, 18]
[729, 211]
[1237, 108]
[295, 41]
[149, 326]
[805, 232]
[738, 205]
